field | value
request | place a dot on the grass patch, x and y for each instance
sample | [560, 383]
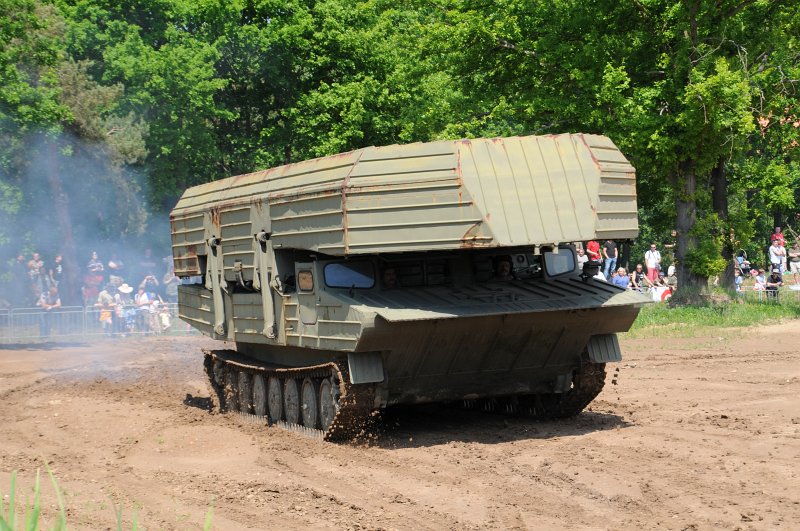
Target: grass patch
[659, 320]
[32, 511]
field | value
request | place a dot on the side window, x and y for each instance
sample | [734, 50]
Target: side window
[305, 280]
[360, 274]
[559, 263]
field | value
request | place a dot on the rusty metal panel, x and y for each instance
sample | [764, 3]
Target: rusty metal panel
[187, 239]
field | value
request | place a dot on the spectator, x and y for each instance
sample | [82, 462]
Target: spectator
[610, 255]
[774, 281]
[56, 271]
[794, 260]
[116, 269]
[776, 254]
[124, 301]
[760, 281]
[777, 236]
[738, 279]
[170, 283]
[106, 302]
[639, 280]
[672, 280]
[36, 275]
[149, 283]
[94, 265]
[743, 263]
[652, 259]
[142, 303]
[593, 250]
[621, 279]
[92, 279]
[48, 301]
[582, 258]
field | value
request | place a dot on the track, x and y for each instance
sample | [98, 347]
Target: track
[318, 401]
[587, 383]
[321, 403]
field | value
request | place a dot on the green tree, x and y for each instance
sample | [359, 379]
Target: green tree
[665, 79]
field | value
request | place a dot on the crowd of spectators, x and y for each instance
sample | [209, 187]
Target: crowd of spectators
[645, 276]
[782, 261]
[769, 280]
[126, 297]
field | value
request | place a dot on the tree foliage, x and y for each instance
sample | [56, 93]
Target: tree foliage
[159, 95]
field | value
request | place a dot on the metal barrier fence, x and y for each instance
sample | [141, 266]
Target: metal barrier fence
[786, 294]
[79, 322]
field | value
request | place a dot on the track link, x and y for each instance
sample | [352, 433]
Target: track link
[231, 381]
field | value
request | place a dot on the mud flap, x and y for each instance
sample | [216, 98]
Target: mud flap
[365, 367]
[604, 348]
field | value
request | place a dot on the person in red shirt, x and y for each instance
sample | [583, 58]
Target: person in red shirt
[778, 236]
[593, 250]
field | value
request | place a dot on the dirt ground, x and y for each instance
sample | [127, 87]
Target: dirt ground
[699, 433]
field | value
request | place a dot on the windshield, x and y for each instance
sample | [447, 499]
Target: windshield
[559, 263]
[359, 274]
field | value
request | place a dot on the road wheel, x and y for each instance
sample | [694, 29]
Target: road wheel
[310, 405]
[291, 401]
[218, 370]
[259, 395]
[328, 403]
[232, 389]
[245, 392]
[275, 399]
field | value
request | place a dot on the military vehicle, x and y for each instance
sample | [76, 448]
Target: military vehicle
[408, 274]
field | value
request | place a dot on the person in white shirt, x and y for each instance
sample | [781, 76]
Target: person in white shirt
[777, 255]
[652, 259]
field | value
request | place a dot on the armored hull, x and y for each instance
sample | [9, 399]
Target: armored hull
[375, 278]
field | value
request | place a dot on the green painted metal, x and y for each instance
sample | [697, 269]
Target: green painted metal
[440, 214]
[487, 193]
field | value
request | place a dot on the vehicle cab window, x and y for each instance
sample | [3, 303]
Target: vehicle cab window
[357, 274]
[558, 263]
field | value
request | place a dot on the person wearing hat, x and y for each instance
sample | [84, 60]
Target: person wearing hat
[774, 281]
[124, 309]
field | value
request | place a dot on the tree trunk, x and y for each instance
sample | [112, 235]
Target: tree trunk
[686, 209]
[625, 255]
[69, 288]
[719, 197]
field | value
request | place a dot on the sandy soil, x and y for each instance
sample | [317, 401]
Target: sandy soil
[700, 433]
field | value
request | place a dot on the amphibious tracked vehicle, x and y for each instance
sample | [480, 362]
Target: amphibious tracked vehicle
[429, 272]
